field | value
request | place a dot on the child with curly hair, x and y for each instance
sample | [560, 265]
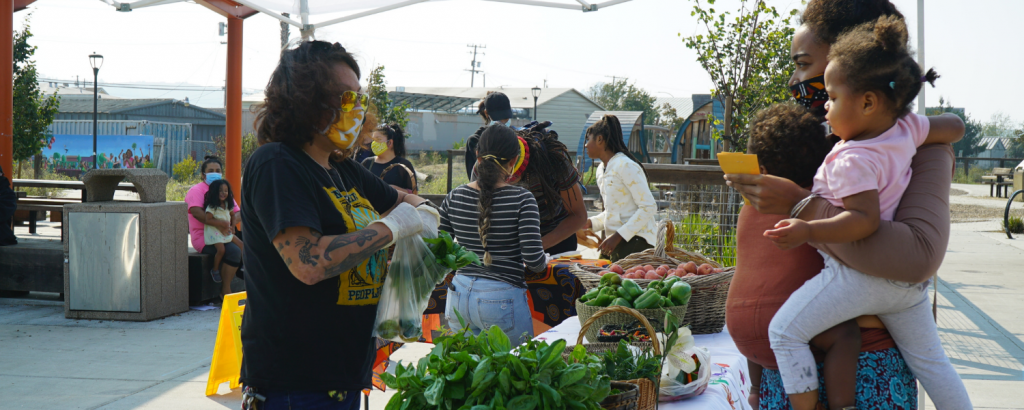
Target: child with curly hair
[871, 81]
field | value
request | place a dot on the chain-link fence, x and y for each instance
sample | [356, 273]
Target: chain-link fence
[705, 219]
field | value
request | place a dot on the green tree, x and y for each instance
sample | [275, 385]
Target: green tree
[747, 58]
[1000, 125]
[969, 145]
[670, 118]
[620, 95]
[386, 109]
[33, 111]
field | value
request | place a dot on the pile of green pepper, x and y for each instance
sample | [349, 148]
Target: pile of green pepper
[615, 291]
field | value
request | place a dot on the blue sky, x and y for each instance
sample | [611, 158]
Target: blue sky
[975, 47]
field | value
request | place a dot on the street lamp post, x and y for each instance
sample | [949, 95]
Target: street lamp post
[536, 94]
[96, 61]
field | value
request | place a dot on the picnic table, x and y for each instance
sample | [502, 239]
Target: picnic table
[999, 182]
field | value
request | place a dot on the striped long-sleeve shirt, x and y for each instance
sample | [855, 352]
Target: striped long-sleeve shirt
[514, 236]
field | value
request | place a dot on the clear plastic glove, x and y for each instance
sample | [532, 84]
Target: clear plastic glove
[403, 221]
[430, 220]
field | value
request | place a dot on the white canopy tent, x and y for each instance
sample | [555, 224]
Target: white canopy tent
[355, 8]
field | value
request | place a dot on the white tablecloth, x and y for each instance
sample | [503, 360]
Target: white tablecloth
[729, 386]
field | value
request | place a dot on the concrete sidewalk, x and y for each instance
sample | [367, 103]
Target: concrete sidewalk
[48, 362]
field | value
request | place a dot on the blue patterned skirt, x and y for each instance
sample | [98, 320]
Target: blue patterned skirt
[884, 382]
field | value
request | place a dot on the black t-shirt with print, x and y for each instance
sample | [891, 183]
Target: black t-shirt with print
[397, 175]
[297, 336]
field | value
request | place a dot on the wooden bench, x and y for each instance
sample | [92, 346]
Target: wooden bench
[32, 265]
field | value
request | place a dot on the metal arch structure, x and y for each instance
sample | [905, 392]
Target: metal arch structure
[431, 102]
[716, 108]
[236, 11]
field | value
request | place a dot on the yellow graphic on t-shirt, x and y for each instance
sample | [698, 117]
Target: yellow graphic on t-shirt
[361, 285]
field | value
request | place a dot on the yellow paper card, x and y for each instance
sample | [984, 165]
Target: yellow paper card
[737, 163]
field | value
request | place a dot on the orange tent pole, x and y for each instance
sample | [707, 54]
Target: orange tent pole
[233, 107]
[7, 89]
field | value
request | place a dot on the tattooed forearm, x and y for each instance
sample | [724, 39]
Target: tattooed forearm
[359, 237]
[354, 259]
[305, 246]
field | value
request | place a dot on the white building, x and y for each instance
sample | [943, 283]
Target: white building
[442, 116]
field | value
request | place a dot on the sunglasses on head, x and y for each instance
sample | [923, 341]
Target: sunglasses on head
[349, 99]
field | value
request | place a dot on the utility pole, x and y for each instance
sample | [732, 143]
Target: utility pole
[474, 64]
[284, 32]
[920, 55]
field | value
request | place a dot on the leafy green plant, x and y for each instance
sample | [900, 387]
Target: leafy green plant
[185, 169]
[705, 236]
[621, 364]
[460, 144]
[450, 254]
[1014, 225]
[590, 177]
[464, 371]
[176, 190]
[747, 58]
[33, 110]
[385, 108]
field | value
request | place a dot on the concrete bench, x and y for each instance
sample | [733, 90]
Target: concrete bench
[201, 287]
[32, 265]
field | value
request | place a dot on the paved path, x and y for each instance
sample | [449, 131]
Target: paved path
[49, 362]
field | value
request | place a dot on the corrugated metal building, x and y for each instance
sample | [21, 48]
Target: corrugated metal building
[566, 108]
[206, 124]
[693, 140]
[993, 147]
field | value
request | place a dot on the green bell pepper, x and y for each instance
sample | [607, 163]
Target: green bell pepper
[669, 282]
[601, 301]
[648, 300]
[656, 284]
[633, 288]
[680, 293]
[611, 279]
[593, 293]
[621, 302]
[623, 293]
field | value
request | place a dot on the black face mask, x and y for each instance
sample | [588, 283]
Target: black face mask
[811, 94]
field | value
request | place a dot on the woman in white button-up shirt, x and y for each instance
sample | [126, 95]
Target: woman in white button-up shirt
[629, 208]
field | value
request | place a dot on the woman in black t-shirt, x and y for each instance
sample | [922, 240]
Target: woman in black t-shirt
[315, 244]
[389, 163]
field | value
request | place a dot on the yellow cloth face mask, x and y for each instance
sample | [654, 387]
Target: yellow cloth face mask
[378, 147]
[345, 131]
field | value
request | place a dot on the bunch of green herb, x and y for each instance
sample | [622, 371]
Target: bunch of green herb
[450, 254]
[621, 364]
[467, 372]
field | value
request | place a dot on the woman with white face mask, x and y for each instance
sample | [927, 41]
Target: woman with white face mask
[495, 109]
[317, 236]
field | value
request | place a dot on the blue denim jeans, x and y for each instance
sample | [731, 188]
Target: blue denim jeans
[483, 303]
[310, 400]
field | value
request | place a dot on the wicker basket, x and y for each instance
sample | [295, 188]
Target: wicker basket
[647, 397]
[587, 313]
[664, 252]
[626, 400]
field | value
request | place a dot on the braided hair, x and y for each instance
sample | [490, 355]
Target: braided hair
[498, 146]
[874, 57]
[610, 131]
[549, 164]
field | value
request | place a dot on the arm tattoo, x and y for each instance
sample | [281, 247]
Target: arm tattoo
[360, 238]
[316, 235]
[305, 245]
[354, 259]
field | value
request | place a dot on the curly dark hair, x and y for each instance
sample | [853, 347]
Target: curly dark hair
[830, 18]
[789, 142]
[303, 93]
[549, 164]
[874, 57]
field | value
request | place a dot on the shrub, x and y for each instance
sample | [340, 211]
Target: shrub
[176, 190]
[702, 235]
[1014, 225]
[186, 169]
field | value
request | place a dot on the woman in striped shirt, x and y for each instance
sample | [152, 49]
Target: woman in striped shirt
[501, 223]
